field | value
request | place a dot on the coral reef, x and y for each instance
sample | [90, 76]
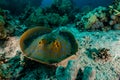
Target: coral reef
[103, 54]
[13, 69]
[60, 13]
[94, 20]
[17, 9]
[9, 25]
[114, 17]
[64, 6]
[26, 69]
[101, 18]
[48, 19]
[2, 29]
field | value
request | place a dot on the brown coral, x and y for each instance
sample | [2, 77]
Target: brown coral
[103, 54]
[100, 54]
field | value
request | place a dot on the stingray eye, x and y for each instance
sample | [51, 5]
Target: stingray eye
[56, 47]
[42, 42]
[57, 44]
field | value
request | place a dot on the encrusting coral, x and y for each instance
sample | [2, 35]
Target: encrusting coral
[48, 19]
[92, 19]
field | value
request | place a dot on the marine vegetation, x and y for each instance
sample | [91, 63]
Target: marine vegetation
[2, 29]
[60, 13]
[46, 46]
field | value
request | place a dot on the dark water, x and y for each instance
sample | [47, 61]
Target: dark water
[18, 6]
[92, 3]
[46, 3]
[82, 3]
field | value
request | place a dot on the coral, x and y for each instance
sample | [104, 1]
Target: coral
[97, 25]
[103, 54]
[63, 5]
[35, 18]
[4, 13]
[114, 11]
[2, 22]
[12, 69]
[56, 19]
[116, 5]
[117, 26]
[6, 69]
[93, 20]
[101, 18]
[48, 19]
[100, 54]
[69, 72]
[8, 25]
[60, 13]
[26, 14]
[53, 18]
[89, 73]
[2, 29]
[17, 9]
[114, 17]
[64, 20]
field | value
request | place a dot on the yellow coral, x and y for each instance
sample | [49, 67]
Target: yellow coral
[91, 21]
[116, 12]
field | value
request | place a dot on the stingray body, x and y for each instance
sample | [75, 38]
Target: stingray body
[47, 46]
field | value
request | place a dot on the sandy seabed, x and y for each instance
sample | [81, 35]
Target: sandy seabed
[104, 70]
